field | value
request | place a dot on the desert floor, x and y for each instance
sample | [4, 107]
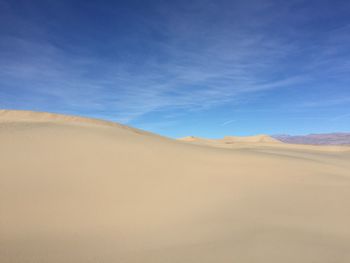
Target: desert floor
[81, 190]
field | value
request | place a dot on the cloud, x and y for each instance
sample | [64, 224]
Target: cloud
[227, 122]
[205, 56]
[183, 81]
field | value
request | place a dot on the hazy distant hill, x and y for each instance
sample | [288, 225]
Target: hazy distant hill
[318, 139]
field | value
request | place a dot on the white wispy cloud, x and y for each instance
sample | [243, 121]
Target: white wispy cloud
[227, 122]
[208, 57]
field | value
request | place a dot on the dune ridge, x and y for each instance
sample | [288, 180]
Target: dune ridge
[79, 190]
[258, 141]
[233, 139]
[255, 138]
[35, 116]
[261, 138]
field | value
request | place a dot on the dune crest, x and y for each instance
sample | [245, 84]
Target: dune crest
[251, 139]
[34, 117]
[233, 139]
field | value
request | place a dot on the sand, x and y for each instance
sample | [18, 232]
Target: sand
[234, 139]
[81, 190]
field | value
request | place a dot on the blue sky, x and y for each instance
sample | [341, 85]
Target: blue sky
[204, 68]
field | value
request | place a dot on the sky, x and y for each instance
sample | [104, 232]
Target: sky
[178, 68]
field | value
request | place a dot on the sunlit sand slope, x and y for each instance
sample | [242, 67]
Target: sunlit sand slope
[80, 190]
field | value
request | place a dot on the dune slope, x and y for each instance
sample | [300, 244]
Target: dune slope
[80, 190]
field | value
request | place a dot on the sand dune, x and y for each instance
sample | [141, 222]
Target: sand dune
[255, 139]
[257, 142]
[233, 139]
[79, 190]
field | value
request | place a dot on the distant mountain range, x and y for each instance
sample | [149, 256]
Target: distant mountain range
[316, 139]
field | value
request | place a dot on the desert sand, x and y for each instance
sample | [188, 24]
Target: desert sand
[82, 190]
